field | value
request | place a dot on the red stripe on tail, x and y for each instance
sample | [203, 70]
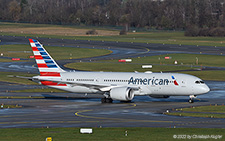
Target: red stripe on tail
[35, 49]
[42, 66]
[31, 40]
[38, 57]
[56, 74]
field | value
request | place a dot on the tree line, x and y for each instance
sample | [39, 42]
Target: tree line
[197, 17]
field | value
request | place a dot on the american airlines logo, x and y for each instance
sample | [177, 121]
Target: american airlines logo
[145, 81]
[175, 81]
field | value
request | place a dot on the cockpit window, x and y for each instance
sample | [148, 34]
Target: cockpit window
[199, 82]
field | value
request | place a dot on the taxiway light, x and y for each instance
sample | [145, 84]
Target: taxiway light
[125, 60]
[167, 57]
[15, 59]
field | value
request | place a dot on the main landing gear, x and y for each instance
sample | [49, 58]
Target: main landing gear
[192, 97]
[106, 100]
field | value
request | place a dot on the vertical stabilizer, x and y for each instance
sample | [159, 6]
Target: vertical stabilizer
[46, 65]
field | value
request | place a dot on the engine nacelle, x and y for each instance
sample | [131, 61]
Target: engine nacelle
[159, 96]
[122, 93]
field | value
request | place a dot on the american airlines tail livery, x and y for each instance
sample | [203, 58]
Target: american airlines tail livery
[122, 86]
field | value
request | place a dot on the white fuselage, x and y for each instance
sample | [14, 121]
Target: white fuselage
[146, 83]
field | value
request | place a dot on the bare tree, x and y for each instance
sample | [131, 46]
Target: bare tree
[14, 10]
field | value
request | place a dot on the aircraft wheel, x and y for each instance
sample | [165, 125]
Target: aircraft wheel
[129, 101]
[103, 100]
[109, 100]
[191, 101]
[106, 100]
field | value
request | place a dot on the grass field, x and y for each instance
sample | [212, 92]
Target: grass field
[24, 51]
[211, 108]
[107, 134]
[7, 77]
[212, 111]
[208, 75]
[56, 31]
[10, 106]
[188, 62]
[121, 67]
[44, 29]
[184, 60]
[5, 60]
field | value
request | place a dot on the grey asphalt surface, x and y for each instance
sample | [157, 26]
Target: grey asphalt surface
[76, 110]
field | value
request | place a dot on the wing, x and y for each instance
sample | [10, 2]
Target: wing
[101, 87]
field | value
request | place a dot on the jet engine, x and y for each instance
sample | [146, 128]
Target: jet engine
[159, 96]
[122, 93]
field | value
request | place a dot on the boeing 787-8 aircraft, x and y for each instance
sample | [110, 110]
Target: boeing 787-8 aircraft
[122, 86]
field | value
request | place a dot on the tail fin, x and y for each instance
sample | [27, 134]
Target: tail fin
[46, 65]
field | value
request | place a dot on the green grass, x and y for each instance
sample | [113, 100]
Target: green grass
[16, 51]
[29, 25]
[208, 75]
[185, 59]
[216, 111]
[121, 67]
[206, 115]
[10, 106]
[161, 64]
[161, 37]
[211, 108]
[134, 134]
[6, 77]
[22, 25]
[155, 37]
[5, 60]
[24, 51]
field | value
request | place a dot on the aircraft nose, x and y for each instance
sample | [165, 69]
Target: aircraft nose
[205, 89]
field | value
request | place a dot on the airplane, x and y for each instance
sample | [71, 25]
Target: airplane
[122, 86]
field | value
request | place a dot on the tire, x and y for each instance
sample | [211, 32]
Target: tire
[129, 101]
[103, 100]
[106, 100]
[191, 101]
[109, 100]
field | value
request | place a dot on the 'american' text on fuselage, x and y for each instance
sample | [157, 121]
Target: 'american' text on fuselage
[145, 81]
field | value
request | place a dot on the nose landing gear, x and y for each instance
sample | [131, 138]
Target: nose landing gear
[192, 97]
